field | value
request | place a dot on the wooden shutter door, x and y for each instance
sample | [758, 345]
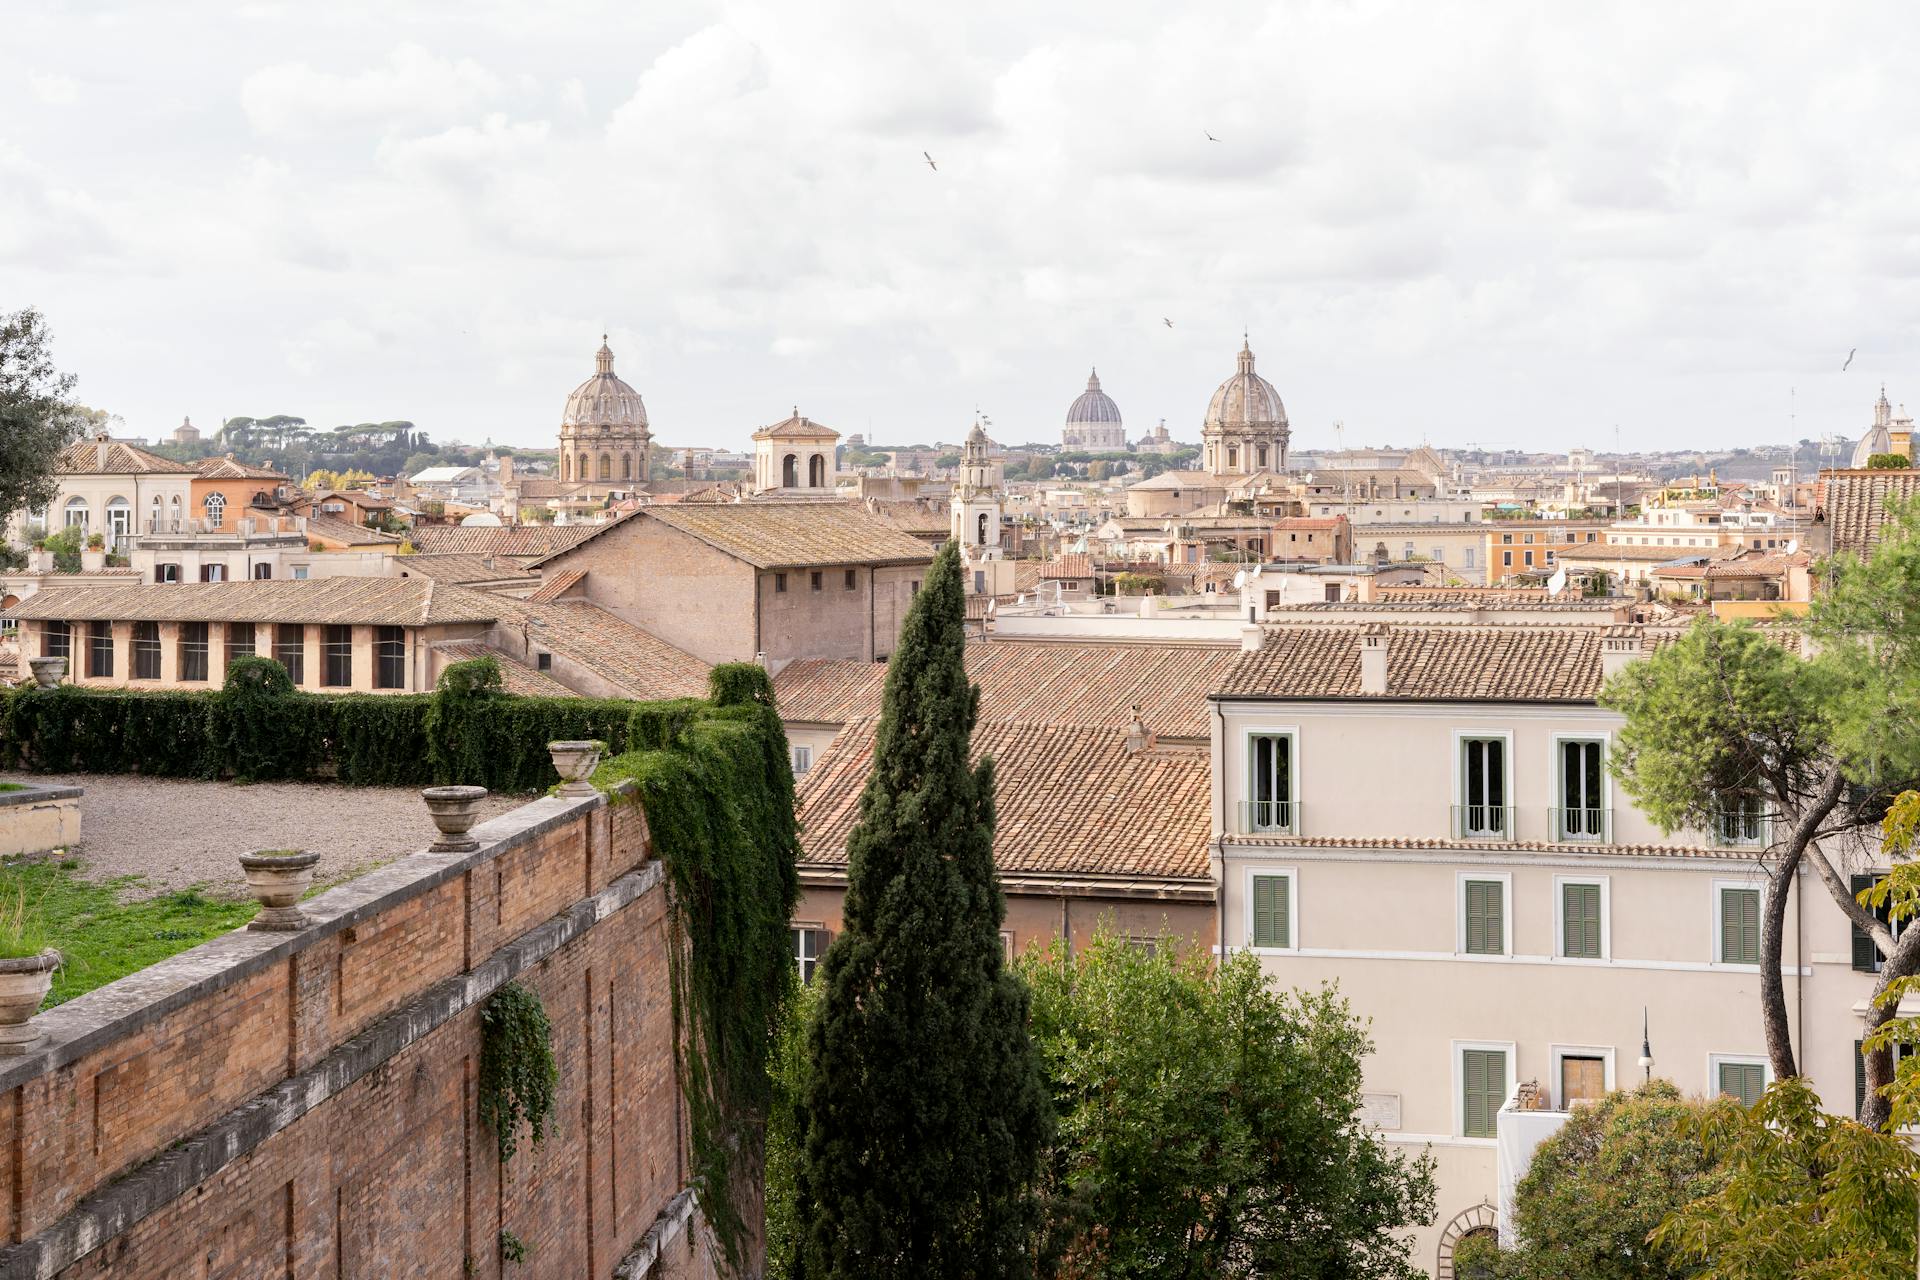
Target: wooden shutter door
[1580, 911]
[1582, 1080]
[1866, 956]
[1270, 911]
[1485, 932]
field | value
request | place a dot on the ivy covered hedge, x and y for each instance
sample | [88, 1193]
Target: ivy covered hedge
[259, 727]
[713, 777]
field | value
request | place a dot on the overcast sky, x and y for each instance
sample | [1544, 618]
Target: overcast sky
[1508, 223]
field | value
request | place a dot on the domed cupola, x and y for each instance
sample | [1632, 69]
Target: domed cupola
[604, 437]
[1093, 420]
[1245, 431]
[604, 400]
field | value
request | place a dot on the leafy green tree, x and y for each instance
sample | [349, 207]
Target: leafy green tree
[65, 545]
[926, 1114]
[1806, 1195]
[1209, 1123]
[1597, 1189]
[1888, 462]
[37, 417]
[790, 1068]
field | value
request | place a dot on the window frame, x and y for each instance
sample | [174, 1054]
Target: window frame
[94, 648]
[1292, 734]
[797, 933]
[56, 641]
[227, 649]
[1720, 887]
[1560, 882]
[1761, 841]
[1292, 876]
[195, 656]
[1557, 772]
[1717, 1060]
[1556, 1053]
[1505, 880]
[799, 757]
[1459, 804]
[330, 653]
[1459, 1050]
[139, 647]
[278, 646]
[383, 638]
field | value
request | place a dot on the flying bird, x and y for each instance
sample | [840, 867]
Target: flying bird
[1167, 322]
[930, 164]
[1210, 137]
[1843, 368]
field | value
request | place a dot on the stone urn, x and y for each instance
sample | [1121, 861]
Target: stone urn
[278, 877]
[47, 671]
[575, 763]
[454, 810]
[23, 985]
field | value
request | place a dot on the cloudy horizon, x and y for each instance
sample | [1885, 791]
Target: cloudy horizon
[1524, 230]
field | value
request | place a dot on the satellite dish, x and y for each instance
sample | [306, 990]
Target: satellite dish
[1793, 546]
[1239, 579]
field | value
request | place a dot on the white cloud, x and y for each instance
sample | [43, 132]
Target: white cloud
[53, 89]
[414, 86]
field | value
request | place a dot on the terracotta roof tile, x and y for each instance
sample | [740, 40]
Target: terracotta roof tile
[1485, 846]
[526, 540]
[515, 676]
[83, 457]
[1076, 564]
[229, 468]
[557, 585]
[778, 535]
[639, 662]
[457, 569]
[356, 535]
[1454, 663]
[408, 602]
[1069, 800]
[1856, 505]
[1461, 595]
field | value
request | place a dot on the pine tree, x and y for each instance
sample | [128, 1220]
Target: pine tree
[926, 1112]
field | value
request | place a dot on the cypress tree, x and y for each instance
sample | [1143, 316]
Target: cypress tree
[926, 1113]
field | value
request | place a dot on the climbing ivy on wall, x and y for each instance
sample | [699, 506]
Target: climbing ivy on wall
[718, 793]
[517, 1072]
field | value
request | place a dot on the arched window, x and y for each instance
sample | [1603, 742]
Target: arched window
[566, 466]
[983, 528]
[580, 471]
[153, 515]
[816, 472]
[606, 466]
[626, 466]
[216, 510]
[790, 472]
[1263, 457]
[119, 519]
[1233, 457]
[76, 513]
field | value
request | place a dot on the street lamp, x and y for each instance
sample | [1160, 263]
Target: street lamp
[1646, 1046]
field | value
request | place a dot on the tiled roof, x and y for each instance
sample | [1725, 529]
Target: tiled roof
[354, 535]
[1069, 800]
[1036, 682]
[454, 568]
[1486, 846]
[230, 468]
[1584, 551]
[82, 457]
[779, 535]
[1856, 505]
[515, 676]
[1452, 663]
[526, 540]
[1074, 565]
[1460, 595]
[795, 427]
[409, 602]
[911, 516]
[557, 585]
[642, 664]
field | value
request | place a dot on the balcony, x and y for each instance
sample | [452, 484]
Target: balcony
[1482, 821]
[1583, 826]
[1269, 817]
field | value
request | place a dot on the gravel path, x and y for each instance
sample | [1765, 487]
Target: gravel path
[176, 833]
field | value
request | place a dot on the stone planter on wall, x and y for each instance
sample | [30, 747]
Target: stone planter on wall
[278, 878]
[47, 671]
[575, 763]
[24, 983]
[454, 810]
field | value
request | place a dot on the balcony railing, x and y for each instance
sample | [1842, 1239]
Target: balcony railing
[1590, 826]
[1483, 821]
[1269, 817]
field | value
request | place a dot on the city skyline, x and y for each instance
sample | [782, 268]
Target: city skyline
[366, 214]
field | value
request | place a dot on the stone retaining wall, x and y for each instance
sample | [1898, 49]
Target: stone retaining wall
[37, 818]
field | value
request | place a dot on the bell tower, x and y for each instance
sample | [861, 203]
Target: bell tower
[975, 506]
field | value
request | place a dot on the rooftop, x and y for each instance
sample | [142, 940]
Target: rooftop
[525, 540]
[408, 602]
[456, 568]
[102, 456]
[1856, 505]
[780, 535]
[1458, 662]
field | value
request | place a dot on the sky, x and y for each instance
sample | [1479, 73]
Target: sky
[1496, 223]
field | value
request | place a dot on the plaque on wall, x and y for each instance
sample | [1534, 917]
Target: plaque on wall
[1381, 1110]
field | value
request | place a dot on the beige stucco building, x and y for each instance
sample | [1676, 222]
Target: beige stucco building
[794, 458]
[111, 488]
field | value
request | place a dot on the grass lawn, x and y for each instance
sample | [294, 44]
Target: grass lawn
[12, 786]
[103, 931]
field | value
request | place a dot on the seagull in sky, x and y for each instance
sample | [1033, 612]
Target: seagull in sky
[1210, 137]
[930, 164]
[1843, 368]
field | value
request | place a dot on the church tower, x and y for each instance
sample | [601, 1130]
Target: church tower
[604, 436]
[1245, 431]
[975, 505]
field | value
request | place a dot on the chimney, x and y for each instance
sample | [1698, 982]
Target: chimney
[101, 443]
[1618, 647]
[1139, 737]
[1373, 659]
[1250, 638]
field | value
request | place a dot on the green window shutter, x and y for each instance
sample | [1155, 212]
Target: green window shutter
[1859, 1076]
[1486, 918]
[1866, 956]
[1483, 1080]
[1740, 926]
[1743, 1081]
[1270, 911]
[1580, 917]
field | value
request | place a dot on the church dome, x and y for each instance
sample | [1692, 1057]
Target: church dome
[1093, 406]
[604, 400]
[1246, 399]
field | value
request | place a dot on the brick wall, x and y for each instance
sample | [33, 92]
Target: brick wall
[295, 1105]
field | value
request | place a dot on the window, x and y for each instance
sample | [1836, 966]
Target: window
[779, 582]
[1582, 910]
[1866, 952]
[389, 658]
[1506, 559]
[213, 573]
[146, 651]
[193, 651]
[1233, 457]
[1483, 787]
[119, 521]
[1582, 1078]
[166, 573]
[1270, 904]
[790, 472]
[1901, 1052]
[1528, 557]
[913, 588]
[240, 637]
[262, 572]
[216, 510]
[814, 579]
[59, 640]
[299, 573]
[1741, 1078]
[336, 656]
[1737, 924]
[100, 649]
[1741, 821]
[1506, 539]
[809, 944]
[1483, 915]
[1483, 1089]
[290, 649]
[852, 579]
[802, 758]
[76, 513]
[1582, 810]
[543, 662]
[1269, 783]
